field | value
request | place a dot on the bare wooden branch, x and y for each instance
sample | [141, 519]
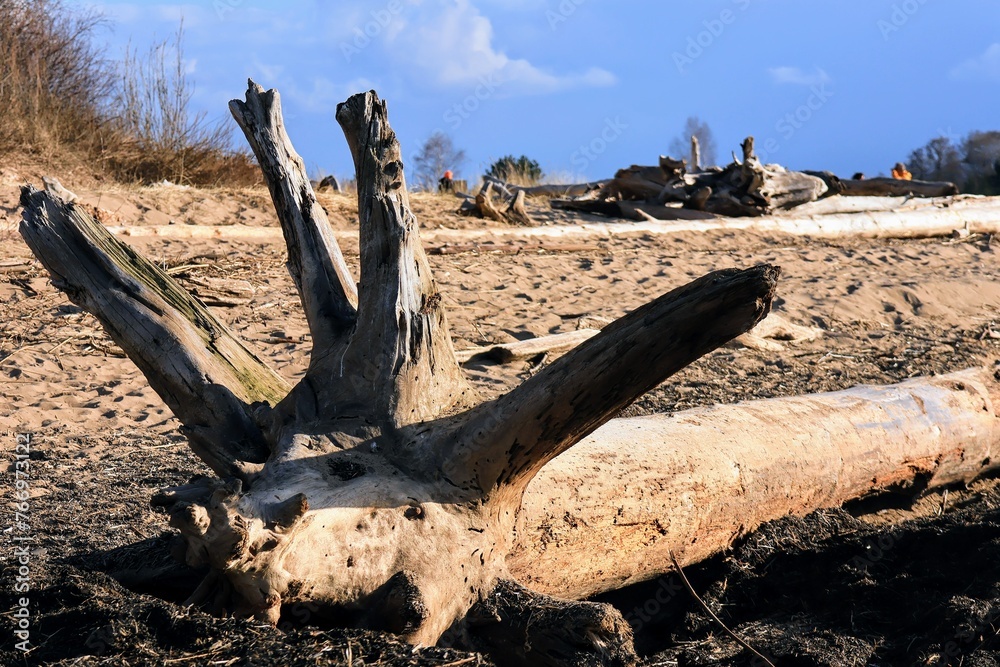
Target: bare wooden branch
[550, 190]
[511, 438]
[328, 293]
[200, 369]
[401, 348]
[893, 187]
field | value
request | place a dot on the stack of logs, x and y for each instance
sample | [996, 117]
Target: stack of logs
[744, 188]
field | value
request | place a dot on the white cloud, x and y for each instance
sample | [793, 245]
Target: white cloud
[984, 67]
[449, 43]
[796, 76]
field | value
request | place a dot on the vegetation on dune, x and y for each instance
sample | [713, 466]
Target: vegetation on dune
[517, 170]
[64, 99]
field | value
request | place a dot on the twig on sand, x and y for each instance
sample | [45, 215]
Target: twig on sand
[739, 640]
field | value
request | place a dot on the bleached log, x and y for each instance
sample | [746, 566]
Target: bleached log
[221, 291]
[876, 217]
[505, 353]
[630, 210]
[604, 514]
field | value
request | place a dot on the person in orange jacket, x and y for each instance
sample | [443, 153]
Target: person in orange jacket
[445, 184]
[900, 172]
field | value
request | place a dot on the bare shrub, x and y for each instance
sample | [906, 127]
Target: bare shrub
[436, 155]
[157, 136]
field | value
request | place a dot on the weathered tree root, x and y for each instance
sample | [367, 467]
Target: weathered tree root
[380, 490]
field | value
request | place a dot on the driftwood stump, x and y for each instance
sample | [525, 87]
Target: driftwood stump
[379, 488]
[483, 206]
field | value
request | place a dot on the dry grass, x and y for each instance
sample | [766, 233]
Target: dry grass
[65, 103]
[159, 138]
[52, 78]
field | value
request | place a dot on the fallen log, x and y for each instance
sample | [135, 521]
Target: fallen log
[610, 511]
[974, 215]
[505, 353]
[874, 217]
[833, 218]
[630, 210]
[513, 248]
[220, 291]
[548, 189]
[839, 204]
[635, 183]
[893, 187]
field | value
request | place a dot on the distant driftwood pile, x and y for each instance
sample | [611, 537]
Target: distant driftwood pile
[744, 188]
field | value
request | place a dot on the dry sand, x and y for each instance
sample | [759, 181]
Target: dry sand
[887, 310]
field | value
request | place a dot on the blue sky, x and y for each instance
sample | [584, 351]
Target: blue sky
[588, 86]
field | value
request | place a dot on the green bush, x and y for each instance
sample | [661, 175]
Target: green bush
[519, 171]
